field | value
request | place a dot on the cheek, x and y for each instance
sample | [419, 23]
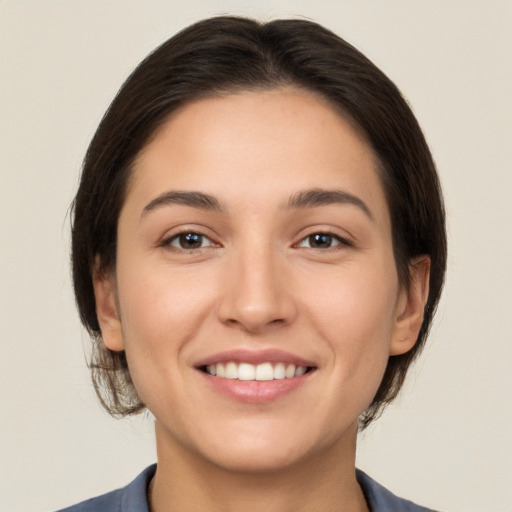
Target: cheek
[160, 312]
[160, 306]
[354, 312]
[355, 298]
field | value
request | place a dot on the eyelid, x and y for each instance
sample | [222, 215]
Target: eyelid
[167, 239]
[335, 239]
[344, 241]
[176, 238]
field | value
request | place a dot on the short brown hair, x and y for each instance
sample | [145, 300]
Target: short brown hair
[227, 54]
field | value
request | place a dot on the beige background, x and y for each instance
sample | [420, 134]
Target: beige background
[447, 442]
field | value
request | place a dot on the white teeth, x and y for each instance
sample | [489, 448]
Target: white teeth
[246, 371]
[220, 370]
[263, 371]
[231, 371]
[279, 371]
[301, 370]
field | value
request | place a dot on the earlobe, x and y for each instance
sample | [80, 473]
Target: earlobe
[411, 307]
[105, 293]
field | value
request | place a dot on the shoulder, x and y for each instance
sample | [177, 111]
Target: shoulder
[132, 498]
[110, 502]
[381, 500]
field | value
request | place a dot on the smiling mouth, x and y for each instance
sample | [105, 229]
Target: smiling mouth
[251, 372]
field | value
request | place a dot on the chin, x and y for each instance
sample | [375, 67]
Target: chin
[269, 452]
[249, 460]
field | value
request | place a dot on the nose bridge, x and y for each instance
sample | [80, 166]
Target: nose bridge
[255, 294]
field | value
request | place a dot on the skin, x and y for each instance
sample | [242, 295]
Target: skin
[257, 282]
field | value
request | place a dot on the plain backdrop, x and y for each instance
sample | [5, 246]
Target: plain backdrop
[446, 442]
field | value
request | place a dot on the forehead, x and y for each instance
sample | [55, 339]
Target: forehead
[258, 145]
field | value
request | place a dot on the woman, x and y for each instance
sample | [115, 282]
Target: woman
[258, 252]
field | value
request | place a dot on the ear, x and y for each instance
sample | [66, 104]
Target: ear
[107, 310]
[410, 307]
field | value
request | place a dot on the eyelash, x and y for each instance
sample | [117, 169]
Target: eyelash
[329, 236]
[176, 241]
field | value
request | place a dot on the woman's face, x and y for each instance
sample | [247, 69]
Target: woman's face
[255, 243]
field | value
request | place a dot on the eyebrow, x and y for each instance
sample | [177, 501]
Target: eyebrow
[184, 198]
[321, 197]
[310, 198]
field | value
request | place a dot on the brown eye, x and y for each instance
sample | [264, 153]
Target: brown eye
[320, 241]
[189, 241]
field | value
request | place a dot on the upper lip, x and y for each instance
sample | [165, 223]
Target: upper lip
[255, 357]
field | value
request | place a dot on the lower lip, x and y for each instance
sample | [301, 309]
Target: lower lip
[255, 391]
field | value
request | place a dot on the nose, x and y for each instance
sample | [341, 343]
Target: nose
[256, 295]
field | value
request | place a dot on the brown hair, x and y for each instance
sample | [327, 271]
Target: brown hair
[226, 54]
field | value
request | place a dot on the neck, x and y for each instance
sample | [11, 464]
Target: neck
[324, 482]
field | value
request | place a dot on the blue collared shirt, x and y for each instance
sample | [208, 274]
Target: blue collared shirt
[133, 497]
